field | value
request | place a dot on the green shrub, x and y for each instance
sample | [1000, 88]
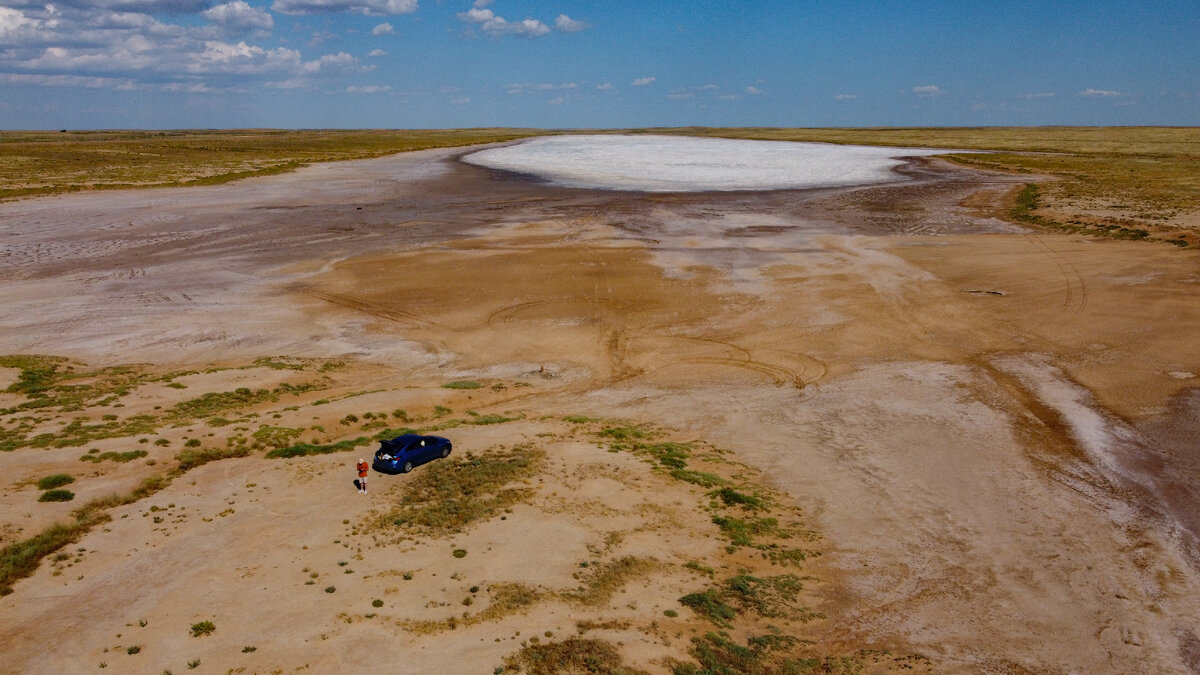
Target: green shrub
[55, 481]
[462, 384]
[573, 655]
[731, 497]
[120, 457]
[203, 628]
[710, 605]
[192, 458]
[57, 496]
[305, 449]
[377, 603]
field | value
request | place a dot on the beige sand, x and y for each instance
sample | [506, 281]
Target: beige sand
[993, 429]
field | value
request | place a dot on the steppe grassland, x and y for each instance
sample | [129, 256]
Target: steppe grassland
[733, 587]
[41, 162]
[1121, 182]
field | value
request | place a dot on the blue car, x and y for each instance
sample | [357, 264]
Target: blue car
[402, 453]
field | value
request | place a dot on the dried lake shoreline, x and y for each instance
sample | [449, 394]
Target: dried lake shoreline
[985, 431]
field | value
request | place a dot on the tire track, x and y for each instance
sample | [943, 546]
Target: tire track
[379, 311]
[1075, 290]
[779, 375]
[511, 312]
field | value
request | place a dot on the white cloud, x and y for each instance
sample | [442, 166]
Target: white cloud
[290, 83]
[16, 28]
[336, 62]
[680, 95]
[566, 24]
[607, 86]
[928, 90]
[1099, 93]
[244, 59]
[1045, 94]
[383, 29]
[845, 97]
[530, 87]
[67, 81]
[643, 81]
[237, 17]
[557, 100]
[369, 89]
[754, 91]
[729, 97]
[367, 7]
[376, 53]
[460, 100]
[497, 26]
[144, 6]
[187, 87]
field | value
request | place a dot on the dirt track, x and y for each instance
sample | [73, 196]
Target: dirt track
[994, 428]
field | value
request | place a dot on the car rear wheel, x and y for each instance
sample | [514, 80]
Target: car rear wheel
[445, 452]
[406, 468]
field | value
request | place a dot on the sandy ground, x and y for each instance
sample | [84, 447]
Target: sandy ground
[994, 430]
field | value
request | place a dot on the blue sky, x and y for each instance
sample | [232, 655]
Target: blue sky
[581, 63]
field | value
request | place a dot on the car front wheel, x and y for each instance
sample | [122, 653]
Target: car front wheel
[406, 468]
[445, 452]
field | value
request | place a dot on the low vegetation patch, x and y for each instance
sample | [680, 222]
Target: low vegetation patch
[55, 481]
[276, 437]
[573, 655]
[670, 457]
[506, 599]
[203, 628]
[463, 384]
[57, 496]
[21, 559]
[769, 597]
[1119, 182]
[305, 449]
[774, 654]
[190, 458]
[119, 457]
[601, 580]
[450, 495]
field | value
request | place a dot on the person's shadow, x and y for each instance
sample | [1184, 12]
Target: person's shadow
[357, 485]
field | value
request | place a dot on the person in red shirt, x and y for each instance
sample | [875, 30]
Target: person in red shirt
[362, 475]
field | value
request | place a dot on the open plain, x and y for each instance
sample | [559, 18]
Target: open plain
[856, 429]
